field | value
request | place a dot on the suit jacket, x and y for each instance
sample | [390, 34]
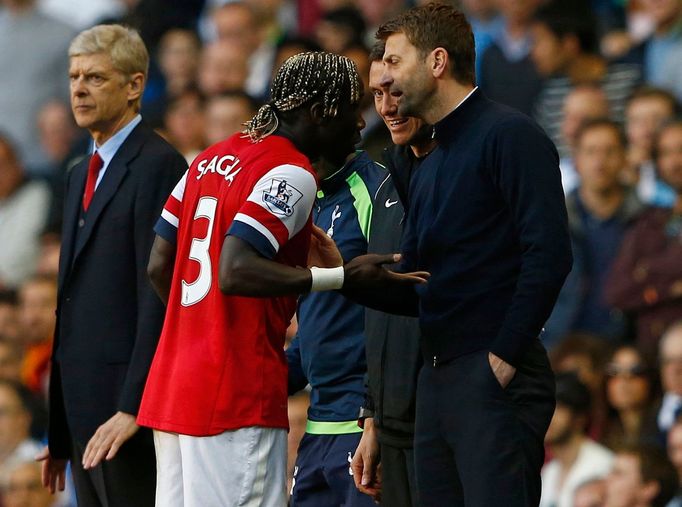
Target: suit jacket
[108, 316]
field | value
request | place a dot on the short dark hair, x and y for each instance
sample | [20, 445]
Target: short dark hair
[596, 123]
[654, 465]
[376, 53]
[438, 25]
[653, 92]
[572, 393]
[349, 18]
[570, 18]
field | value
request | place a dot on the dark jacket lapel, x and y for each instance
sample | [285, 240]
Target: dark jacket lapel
[113, 177]
[72, 207]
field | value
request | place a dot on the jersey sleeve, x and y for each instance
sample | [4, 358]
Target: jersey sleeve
[167, 224]
[277, 208]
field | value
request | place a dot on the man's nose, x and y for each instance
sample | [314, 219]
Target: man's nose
[386, 79]
[388, 106]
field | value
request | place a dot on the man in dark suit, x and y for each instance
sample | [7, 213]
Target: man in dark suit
[108, 316]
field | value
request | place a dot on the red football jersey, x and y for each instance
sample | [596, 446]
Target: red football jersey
[220, 363]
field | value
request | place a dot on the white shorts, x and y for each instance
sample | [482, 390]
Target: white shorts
[245, 467]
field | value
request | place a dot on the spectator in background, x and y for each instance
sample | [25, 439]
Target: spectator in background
[507, 74]
[184, 123]
[9, 318]
[662, 49]
[564, 53]
[646, 278]
[584, 102]
[23, 487]
[10, 360]
[57, 133]
[590, 494]
[670, 359]
[178, 57]
[647, 110]
[599, 213]
[226, 114]
[290, 46]
[340, 29]
[376, 12]
[240, 25]
[37, 304]
[586, 356]
[223, 67]
[23, 214]
[33, 57]
[674, 447]
[486, 23]
[178, 60]
[16, 444]
[642, 476]
[630, 391]
[576, 458]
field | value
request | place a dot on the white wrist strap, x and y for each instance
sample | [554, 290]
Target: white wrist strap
[326, 278]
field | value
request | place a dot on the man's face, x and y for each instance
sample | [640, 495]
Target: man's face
[235, 25]
[624, 483]
[402, 129]
[225, 116]
[101, 96]
[223, 68]
[547, 51]
[644, 116]
[24, 488]
[599, 159]
[37, 302]
[671, 362]
[581, 105]
[406, 76]
[339, 135]
[669, 157]
[592, 494]
[14, 420]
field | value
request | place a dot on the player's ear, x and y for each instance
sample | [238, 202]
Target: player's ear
[317, 113]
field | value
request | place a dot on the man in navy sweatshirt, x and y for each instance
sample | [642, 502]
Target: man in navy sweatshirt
[488, 220]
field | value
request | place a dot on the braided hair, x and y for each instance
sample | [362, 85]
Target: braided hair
[300, 79]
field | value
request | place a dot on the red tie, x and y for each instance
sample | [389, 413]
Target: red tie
[95, 165]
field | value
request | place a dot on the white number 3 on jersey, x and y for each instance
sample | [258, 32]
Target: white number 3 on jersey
[195, 291]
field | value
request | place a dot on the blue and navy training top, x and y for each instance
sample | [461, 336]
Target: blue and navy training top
[328, 352]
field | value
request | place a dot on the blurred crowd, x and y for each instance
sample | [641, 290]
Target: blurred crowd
[602, 77]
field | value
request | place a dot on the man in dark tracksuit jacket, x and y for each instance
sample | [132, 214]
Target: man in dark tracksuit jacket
[328, 351]
[487, 220]
[393, 356]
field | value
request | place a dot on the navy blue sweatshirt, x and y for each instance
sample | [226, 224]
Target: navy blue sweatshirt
[488, 220]
[328, 350]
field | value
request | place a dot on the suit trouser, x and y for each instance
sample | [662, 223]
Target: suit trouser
[477, 444]
[128, 480]
[399, 488]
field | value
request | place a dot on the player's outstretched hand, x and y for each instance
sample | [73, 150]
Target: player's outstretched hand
[323, 250]
[368, 272]
[53, 471]
[109, 438]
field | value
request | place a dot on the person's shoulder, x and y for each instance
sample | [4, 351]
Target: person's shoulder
[505, 120]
